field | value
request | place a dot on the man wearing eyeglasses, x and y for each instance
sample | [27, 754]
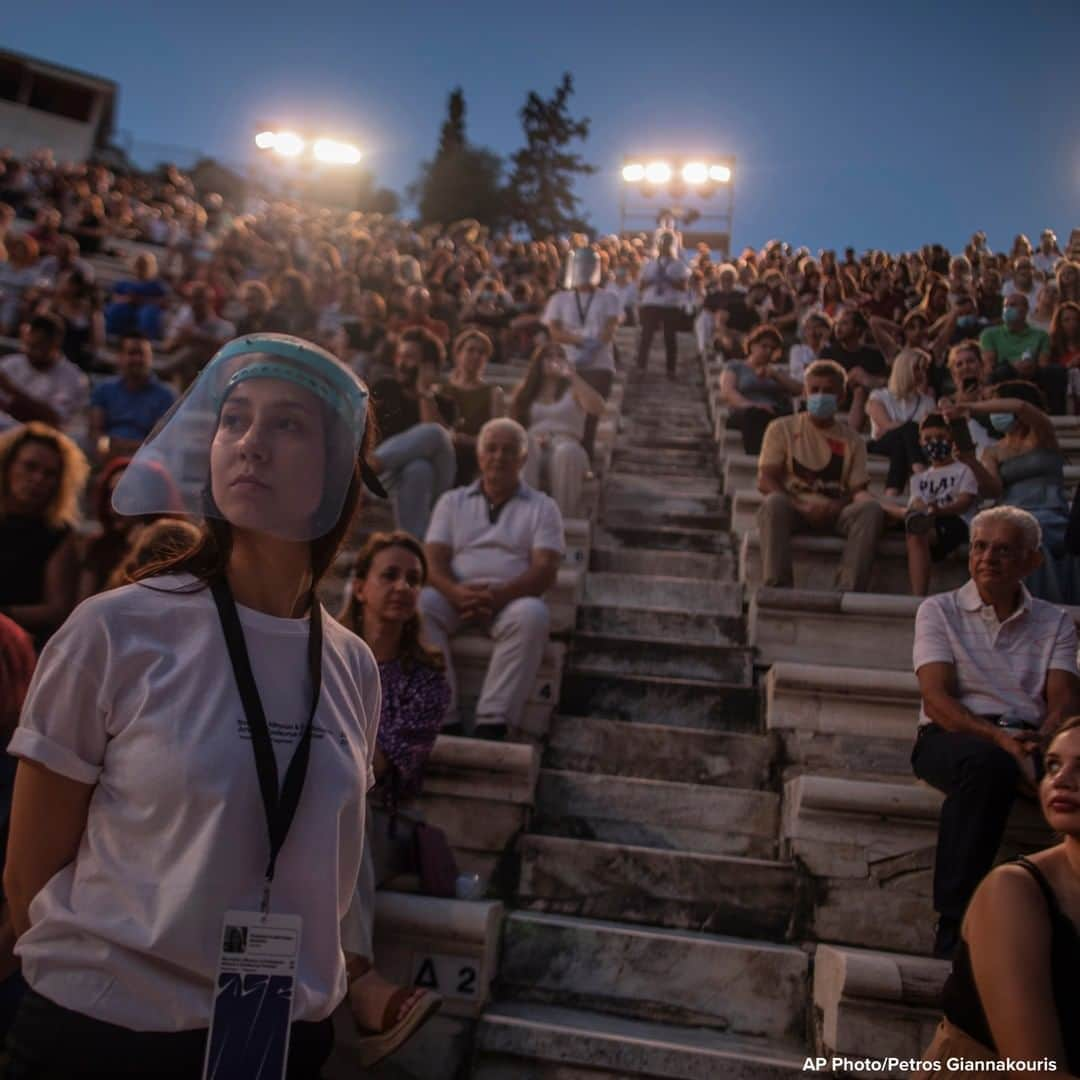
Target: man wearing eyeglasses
[996, 670]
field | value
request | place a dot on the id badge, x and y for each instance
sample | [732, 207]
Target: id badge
[253, 997]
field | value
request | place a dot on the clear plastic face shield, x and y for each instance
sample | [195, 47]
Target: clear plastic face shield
[582, 268]
[267, 438]
[667, 243]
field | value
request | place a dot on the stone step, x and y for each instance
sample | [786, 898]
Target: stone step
[657, 813]
[649, 622]
[633, 530]
[875, 1004]
[683, 703]
[670, 658]
[682, 890]
[696, 462]
[591, 744]
[667, 976]
[654, 591]
[816, 559]
[869, 848]
[676, 474]
[628, 487]
[682, 564]
[639, 440]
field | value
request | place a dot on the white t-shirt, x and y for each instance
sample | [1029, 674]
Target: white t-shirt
[499, 550]
[136, 695]
[658, 281]
[914, 408]
[944, 483]
[800, 357]
[63, 387]
[588, 314]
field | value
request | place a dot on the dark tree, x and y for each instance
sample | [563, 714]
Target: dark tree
[462, 181]
[541, 187]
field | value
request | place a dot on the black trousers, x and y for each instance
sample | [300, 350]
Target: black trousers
[653, 316]
[752, 424]
[901, 446]
[601, 380]
[48, 1042]
[979, 781]
[1053, 381]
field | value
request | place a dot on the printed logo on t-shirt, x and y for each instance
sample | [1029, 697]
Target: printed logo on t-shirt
[828, 480]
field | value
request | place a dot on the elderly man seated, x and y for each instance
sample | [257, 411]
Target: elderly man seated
[494, 549]
[997, 671]
[812, 472]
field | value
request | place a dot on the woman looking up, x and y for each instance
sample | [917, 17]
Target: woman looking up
[214, 752]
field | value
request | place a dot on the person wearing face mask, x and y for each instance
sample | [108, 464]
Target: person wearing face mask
[812, 472]
[941, 505]
[1018, 350]
[1025, 468]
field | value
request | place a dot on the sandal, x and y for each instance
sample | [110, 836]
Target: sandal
[371, 1048]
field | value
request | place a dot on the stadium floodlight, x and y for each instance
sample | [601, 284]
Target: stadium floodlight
[265, 140]
[695, 172]
[658, 172]
[720, 173]
[332, 152]
[288, 143]
[633, 174]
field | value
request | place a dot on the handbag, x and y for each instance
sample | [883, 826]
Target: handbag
[402, 844]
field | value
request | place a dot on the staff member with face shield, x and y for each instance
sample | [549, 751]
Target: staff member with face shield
[195, 753]
[812, 472]
[663, 291]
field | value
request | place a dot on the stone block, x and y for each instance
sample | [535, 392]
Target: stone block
[740, 987]
[878, 1004]
[623, 654]
[671, 564]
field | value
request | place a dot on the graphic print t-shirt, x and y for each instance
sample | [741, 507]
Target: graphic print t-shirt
[937, 486]
[830, 462]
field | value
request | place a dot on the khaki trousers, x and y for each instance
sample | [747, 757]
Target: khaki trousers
[778, 520]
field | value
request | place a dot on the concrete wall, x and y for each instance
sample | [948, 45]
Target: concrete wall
[26, 130]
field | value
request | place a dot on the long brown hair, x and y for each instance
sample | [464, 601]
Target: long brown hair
[63, 506]
[414, 651]
[1059, 346]
[208, 557]
[526, 391]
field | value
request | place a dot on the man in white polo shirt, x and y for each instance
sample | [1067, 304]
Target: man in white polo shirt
[997, 671]
[493, 550]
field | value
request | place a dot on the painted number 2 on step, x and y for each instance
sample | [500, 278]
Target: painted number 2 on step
[453, 975]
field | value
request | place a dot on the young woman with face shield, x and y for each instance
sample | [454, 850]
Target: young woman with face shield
[200, 743]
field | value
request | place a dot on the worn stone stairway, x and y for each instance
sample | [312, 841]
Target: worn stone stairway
[652, 905]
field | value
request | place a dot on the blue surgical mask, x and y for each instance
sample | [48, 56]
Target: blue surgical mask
[965, 322]
[1012, 315]
[822, 406]
[1002, 422]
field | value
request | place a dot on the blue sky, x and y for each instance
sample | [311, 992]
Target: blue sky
[870, 124]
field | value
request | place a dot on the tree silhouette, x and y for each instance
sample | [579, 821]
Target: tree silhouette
[462, 181]
[541, 188]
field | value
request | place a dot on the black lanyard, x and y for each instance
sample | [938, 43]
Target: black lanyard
[280, 808]
[583, 313]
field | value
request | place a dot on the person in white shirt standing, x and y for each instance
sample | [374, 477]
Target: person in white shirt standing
[583, 319]
[663, 292]
[147, 799]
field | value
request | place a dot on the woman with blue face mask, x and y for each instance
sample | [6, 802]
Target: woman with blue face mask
[1025, 468]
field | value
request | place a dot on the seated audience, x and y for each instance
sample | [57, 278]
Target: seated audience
[553, 403]
[417, 316]
[996, 667]
[757, 390]
[1025, 468]
[476, 401]
[124, 410]
[294, 313]
[942, 503]
[895, 412]
[415, 460]
[154, 541]
[726, 316]
[42, 474]
[812, 471]
[1017, 350]
[75, 301]
[40, 383]
[19, 273]
[138, 302]
[195, 334]
[256, 300]
[493, 550]
[815, 332]
[1015, 978]
[103, 553]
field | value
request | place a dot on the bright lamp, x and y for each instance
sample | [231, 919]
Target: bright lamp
[720, 173]
[264, 140]
[695, 172]
[658, 172]
[633, 174]
[287, 143]
[332, 152]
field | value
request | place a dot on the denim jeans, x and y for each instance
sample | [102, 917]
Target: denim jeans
[418, 465]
